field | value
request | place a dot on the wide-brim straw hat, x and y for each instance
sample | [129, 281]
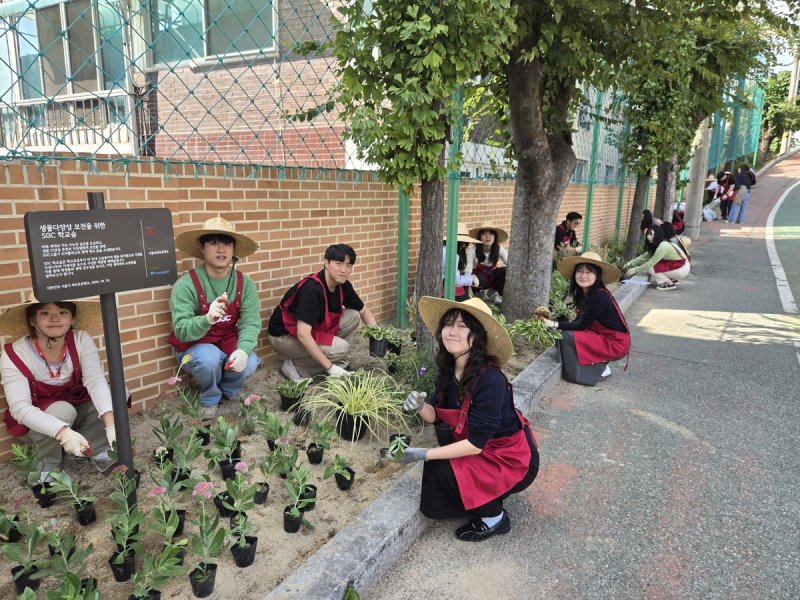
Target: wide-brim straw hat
[499, 343]
[463, 235]
[188, 242]
[566, 266]
[14, 324]
[500, 233]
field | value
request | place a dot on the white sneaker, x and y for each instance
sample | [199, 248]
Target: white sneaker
[606, 372]
[290, 371]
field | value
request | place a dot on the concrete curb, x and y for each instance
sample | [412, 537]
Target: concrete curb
[366, 549]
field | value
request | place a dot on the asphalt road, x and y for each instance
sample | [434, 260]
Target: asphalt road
[678, 478]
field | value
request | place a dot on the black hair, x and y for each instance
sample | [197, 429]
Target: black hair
[579, 297]
[658, 237]
[494, 253]
[476, 361]
[573, 216]
[216, 238]
[461, 252]
[30, 312]
[669, 230]
[339, 252]
[647, 220]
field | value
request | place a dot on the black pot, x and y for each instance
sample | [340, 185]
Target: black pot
[342, 483]
[406, 439]
[236, 455]
[351, 428]
[53, 550]
[180, 474]
[204, 587]
[244, 557]
[271, 444]
[24, 580]
[152, 595]
[85, 513]
[288, 402]
[223, 512]
[205, 440]
[395, 348]
[181, 521]
[228, 468]
[291, 524]
[301, 417]
[43, 495]
[378, 347]
[124, 570]
[391, 369]
[315, 453]
[166, 456]
[444, 433]
[137, 477]
[86, 581]
[309, 493]
[180, 555]
[233, 517]
[262, 491]
[14, 534]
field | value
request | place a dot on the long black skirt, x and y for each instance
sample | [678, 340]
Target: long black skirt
[571, 369]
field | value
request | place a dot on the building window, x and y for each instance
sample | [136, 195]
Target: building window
[188, 29]
[579, 175]
[609, 173]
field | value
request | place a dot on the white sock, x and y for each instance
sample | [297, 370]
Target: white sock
[492, 521]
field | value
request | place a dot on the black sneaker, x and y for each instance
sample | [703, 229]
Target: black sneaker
[477, 531]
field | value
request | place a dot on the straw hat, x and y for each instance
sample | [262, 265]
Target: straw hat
[567, 265]
[189, 245]
[499, 232]
[499, 343]
[14, 324]
[463, 235]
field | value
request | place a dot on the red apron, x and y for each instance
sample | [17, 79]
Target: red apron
[501, 465]
[566, 234]
[45, 394]
[600, 343]
[485, 271]
[224, 334]
[664, 265]
[324, 332]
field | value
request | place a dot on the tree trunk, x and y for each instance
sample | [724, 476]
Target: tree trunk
[429, 267]
[545, 164]
[763, 146]
[632, 240]
[665, 190]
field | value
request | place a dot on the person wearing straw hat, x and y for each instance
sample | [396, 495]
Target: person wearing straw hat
[490, 259]
[310, 327]
[465, 262]
[600, 333]
[566, 240]
[494, 453]
[215, 312]
[58, 396]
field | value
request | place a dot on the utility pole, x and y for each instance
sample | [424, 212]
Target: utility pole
[696, 189]
[792, 96]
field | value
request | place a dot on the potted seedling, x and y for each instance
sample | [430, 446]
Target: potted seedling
[206, 544]
[184, 454]
[63, 486]
[271, 427]
[168, 432]
[189, 404]
[341, 472]
[25, 458]
[364, 401]
[68, 565]
[243, 546]
[157, 570]
[168, 484]
[321, 436]
[126, 520]
[26, 554]
[291, 392]
[240, 494]
[397, 446]
[9, 533]
[293, 516]
[248, 407]
[224, 450]
[168, 526]
[378, 337]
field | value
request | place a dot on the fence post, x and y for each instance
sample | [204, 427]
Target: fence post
[403, 239]
[587, 217]
[453, 182]
[623, 173]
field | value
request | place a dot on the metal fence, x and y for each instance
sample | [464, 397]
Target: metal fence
[238, 82]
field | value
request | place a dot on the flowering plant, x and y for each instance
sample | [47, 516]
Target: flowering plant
[207, 542]
[168, 431]
[184, 453]
[248, 407]
[224, 441]
[272, 427]
[281, 460]
[125, 518]
[240, 495]
[157, 570]
[240, 527]
[296, 483]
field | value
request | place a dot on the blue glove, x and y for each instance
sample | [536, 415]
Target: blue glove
[411, 455]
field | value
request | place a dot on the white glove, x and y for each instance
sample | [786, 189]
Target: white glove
[217, 309]
[414, 401]
[630, 272]
[237, 361]
[550, 324]
[337, 371]
[73, 442]
[111, 434]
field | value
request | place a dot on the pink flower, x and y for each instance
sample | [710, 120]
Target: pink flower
[156, 491]
[282, 441]
[173, 380]
[251, 398]
[204, 489]
[241, 467]
[119, 470]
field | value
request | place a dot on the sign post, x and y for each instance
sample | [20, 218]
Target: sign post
[92, 252]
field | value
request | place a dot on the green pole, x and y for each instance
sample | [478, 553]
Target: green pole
[403, 227]
[760, 112]
[622, 176]
[587, 217]
[720, 144]
[453, 182]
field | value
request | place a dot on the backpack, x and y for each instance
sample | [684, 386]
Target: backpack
[753, 177]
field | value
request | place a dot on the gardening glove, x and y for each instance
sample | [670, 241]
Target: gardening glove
[415, 401]
[337, 371]
[217, 309]
[411, 455]
[630, 272]
[550, 324]
[73, 442]
[111, 434]
[237, 361]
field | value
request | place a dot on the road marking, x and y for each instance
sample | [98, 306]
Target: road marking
[672, 426]
[784, 291]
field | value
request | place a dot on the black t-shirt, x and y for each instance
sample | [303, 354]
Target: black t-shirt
[561, 232]
[492, 413]
[309, 305]
[597, 307]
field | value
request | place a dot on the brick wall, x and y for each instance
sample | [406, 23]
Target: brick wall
[292, 219]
